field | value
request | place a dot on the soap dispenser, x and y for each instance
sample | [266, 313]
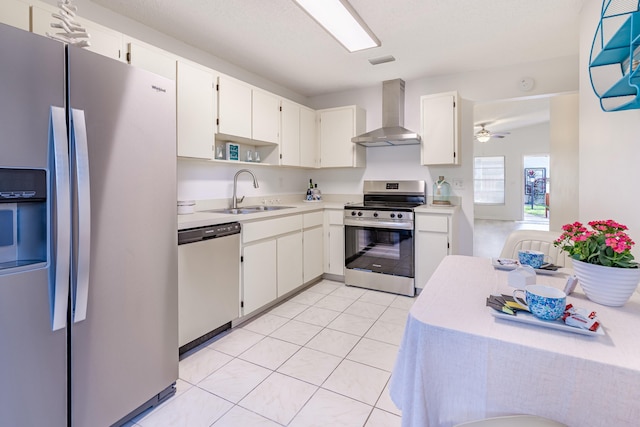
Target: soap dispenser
[441, 192]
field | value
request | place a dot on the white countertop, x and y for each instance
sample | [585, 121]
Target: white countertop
[202, 219]
[431, 209]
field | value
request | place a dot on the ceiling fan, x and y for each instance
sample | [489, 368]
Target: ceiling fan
[483, 135]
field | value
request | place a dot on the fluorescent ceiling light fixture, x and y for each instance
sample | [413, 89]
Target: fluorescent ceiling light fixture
[341, 21]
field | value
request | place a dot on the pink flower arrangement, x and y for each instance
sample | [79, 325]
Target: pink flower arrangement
[606, 244]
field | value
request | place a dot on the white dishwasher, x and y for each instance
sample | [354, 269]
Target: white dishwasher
[208, 282]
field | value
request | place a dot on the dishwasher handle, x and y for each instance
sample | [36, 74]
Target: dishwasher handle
[198, 234]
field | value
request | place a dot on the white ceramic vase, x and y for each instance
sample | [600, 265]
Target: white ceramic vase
[610, 286]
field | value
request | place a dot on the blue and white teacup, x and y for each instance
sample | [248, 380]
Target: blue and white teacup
[534, 259]
[544, 302]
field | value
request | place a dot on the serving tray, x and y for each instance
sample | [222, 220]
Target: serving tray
[525, 317]
[505, 265]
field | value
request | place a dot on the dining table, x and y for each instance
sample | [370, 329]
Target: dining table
[459, 362]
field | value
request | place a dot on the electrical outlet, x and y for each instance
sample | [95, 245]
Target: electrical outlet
[457, 184]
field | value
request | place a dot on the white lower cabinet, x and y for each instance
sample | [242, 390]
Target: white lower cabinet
[334, 242]
[432, 243]
[312, 243]
[289, 256]
[259, 275]
[272, 260]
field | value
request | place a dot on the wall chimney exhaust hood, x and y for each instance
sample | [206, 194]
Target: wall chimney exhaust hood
[392, 131]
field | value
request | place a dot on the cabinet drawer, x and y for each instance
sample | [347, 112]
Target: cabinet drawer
[312, 219]
[436, 223]
[336, 217]
[270, 227]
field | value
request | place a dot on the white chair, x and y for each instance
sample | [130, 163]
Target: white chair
[536, 240]
[513, 421]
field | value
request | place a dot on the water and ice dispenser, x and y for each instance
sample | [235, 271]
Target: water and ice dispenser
[23, 219]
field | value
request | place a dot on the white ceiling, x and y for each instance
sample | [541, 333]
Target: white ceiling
[278, 41]
[501, 116]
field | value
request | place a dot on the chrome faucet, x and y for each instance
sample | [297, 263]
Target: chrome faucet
[234, 201]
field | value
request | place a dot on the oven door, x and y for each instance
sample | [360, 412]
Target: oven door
[383, 247]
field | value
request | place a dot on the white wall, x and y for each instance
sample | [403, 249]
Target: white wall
[202, 181]
[552, 77]
[564, 160]
[609, 148]
[526, 141]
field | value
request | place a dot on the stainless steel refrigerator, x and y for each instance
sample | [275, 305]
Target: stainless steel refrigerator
[88, 235]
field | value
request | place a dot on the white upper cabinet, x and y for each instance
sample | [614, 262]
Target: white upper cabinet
[247, 114]
[15, 13]
[265, 116]
[103, 40]
[439, 116]
[298, 138]
[290, 134]
[234, 107]
[308, 138]
[337, 127]
[196, 109]
[151, 58]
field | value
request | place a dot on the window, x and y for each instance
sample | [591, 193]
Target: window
[488, 180]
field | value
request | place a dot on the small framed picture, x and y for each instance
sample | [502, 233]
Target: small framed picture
[233, 151]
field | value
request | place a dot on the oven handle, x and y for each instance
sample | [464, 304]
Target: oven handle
[378, 224]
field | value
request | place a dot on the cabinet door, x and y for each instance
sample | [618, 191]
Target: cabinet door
[312, 253]
[336, 131]
[195, 108]
[335, 264]
[337, 127]
[15, 13]
[290, 134]
[431, 248]
[265, 117]
[432, 244]
[308, 138]
[103, 40]
[151, 59]
[289, 263]
[259, 275]
[234, 107]
[439, 129]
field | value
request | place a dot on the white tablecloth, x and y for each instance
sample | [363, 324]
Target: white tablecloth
[459, 363]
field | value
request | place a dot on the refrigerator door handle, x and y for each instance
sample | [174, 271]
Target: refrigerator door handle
[60, 221]
[82, 252]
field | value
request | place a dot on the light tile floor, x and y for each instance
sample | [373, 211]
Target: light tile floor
[322, 358]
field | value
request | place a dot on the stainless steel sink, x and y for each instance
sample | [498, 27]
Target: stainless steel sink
[249, 209]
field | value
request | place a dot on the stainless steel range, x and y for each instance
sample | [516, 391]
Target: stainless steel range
[378, 236]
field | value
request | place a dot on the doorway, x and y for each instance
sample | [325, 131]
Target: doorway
[536, 178]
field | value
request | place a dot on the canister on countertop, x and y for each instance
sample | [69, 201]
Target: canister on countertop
[441, 192]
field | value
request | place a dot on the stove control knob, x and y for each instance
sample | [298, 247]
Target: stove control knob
[353, 213]
[375, 214]
[359, 213]
[399, 215]
[392, 215]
